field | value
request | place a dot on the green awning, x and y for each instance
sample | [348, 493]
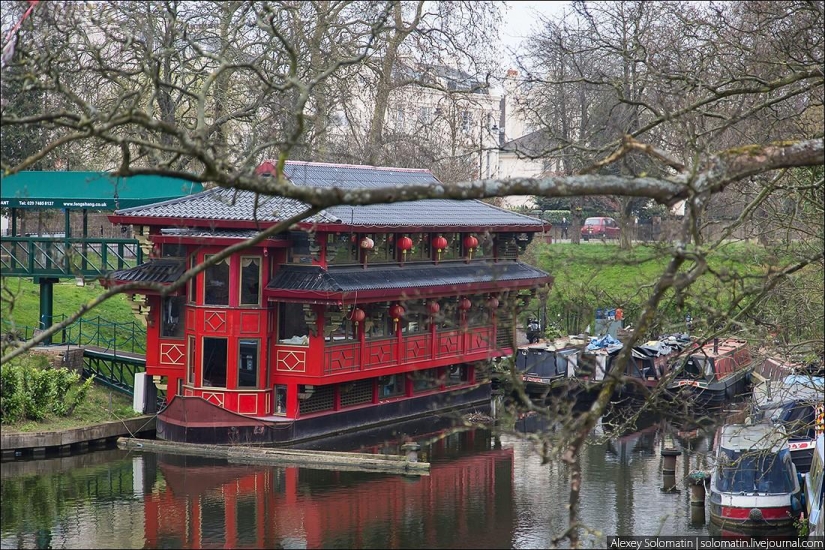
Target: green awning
[92, 190]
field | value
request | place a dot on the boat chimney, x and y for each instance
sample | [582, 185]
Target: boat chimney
[716, 345]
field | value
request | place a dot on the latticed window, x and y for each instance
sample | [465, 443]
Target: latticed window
[322, 399]
[505, 329]
[356, 393]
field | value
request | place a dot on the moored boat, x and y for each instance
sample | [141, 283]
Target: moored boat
[544, 366]
[795, 403]
[754, 486]
[714, 373]
[648, 365]
[351, 319]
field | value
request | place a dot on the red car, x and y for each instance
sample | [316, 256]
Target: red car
[602, 228]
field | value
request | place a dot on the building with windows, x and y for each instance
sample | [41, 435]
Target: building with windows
[356, 316]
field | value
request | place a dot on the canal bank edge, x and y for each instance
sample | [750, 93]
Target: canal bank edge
[37, 444]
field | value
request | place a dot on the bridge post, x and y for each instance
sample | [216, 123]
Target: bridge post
[46, 305]
[85, 237]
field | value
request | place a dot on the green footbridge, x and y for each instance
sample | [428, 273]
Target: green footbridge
[49, 257]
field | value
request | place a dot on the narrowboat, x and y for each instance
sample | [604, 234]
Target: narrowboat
[754, 486]
[795, 403]
[349, 319]
[648, 365]
[563, 370]
[815, 491]
[543, 366]
[714, 373]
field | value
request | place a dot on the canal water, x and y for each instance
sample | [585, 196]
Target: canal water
[483, 491]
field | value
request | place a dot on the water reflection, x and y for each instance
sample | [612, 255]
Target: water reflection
[483, 492]
[206, 504]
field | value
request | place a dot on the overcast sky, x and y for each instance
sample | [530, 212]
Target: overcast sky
[520, 18]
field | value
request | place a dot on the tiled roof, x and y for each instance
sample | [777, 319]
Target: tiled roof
[154, 271]
[351, 279]
[215, 233]
[233, 205]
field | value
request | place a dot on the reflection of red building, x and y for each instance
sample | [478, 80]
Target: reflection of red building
[354, 317]
[464, 503]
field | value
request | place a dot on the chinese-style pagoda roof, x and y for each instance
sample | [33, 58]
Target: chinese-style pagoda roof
[393, 282]
[163, 271]
[245, 209]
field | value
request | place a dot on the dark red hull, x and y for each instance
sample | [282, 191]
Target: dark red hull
[195, 420]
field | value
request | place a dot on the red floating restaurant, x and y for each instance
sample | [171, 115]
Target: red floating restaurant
[357, 316]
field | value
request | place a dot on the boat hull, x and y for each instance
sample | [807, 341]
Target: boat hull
[195, 420]
[754, 513]
[714, 394]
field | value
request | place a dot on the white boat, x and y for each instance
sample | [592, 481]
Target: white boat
[754, 487]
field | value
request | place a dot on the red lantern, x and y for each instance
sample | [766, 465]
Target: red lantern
[492, 302]
[464, 304]
[396, 312]
[404, 244]
[358, 315]
[470, 243]
[433, 307]
[439, 243]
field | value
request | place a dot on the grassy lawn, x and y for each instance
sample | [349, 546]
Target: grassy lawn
[109, 325]
[595, 275]
[68, 297]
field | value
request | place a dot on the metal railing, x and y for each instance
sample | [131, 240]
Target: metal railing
[128, 337]
[66, 257]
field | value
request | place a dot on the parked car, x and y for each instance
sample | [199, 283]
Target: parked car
[603, 228]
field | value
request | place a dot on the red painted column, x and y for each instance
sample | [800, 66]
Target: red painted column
[292, 400]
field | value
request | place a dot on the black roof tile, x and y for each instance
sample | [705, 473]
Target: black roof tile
[154, 271]
[233, 205]
[350, 279]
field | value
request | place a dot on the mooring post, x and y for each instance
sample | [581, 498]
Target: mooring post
[411, 450]
[697, 482]
[669, 469]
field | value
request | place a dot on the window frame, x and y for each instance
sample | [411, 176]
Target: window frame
[257, 362]
[203, 358]
[241, 283]
[206, 273]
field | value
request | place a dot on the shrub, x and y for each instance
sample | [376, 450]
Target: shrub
[29, 391]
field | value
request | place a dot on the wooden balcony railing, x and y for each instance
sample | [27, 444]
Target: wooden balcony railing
[352, 356]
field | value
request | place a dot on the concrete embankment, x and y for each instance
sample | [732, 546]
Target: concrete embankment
[360, 462]
[98, 436]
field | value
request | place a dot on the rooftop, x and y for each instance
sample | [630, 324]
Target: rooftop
[245, 206]
[756, 437]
